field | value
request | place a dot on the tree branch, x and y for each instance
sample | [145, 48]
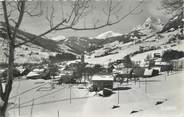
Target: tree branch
[30, 11]
[70, 26]
[21, 14]
[6, 20]
[103, 25]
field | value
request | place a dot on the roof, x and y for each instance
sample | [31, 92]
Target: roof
[31, 74]
[102, 78]
[161, 63]
[148, 72]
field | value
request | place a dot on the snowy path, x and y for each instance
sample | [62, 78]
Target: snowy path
[47, 103]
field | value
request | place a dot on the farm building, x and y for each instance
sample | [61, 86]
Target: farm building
[164, 66]
[121, 73]
[150, 72]
[178, 64]
[157, 55]
[138, 71]
[102, 81]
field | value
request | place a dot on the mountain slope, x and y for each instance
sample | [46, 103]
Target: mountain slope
[174, 23]
[32, 52]
[40, 41]
[142, 39]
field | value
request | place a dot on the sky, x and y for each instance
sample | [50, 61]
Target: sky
[148, 8]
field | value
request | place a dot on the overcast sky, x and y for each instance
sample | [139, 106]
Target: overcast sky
[149, 8]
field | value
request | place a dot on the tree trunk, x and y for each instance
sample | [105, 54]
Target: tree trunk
[2, 111]
[9, 80]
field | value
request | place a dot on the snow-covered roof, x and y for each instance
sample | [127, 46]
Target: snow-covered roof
[21, 69]
[102, 78]
[32, 74]
[38, 70]
[90, 65]
[161, 63]
[148, 72]
[158, 59]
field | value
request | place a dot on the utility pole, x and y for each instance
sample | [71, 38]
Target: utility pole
[19, 106]
[145, 85]
[118, 94]
[32, 107]
[70, 94]
[183, 18]
[58, 113]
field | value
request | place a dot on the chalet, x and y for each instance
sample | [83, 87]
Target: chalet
[157, 55]
[178, 64]
[150, 72]
[164, 66]
[102, 81]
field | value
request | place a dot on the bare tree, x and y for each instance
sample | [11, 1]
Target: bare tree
[14, 12]
[174, 6]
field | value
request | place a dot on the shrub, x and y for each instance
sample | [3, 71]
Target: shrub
[172, 54]
[62, 57]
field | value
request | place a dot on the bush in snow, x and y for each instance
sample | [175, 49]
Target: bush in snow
[172, 54]
[127, 62]
[62, 57]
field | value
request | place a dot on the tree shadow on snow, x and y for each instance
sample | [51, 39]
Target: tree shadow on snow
[150, 80]
[135, 111]
[121, 88]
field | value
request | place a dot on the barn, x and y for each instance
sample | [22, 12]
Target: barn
[178, 64]
[102, 81]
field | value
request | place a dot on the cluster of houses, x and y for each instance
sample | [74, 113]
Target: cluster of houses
[101, 77]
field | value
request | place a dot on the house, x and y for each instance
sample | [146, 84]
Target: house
[138, 71]
[150, 72]
[102, 81]
[178, 64]
[157, 55]
[164, 66]
[39, 74]
[122, 73]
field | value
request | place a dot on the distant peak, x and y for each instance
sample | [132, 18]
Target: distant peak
[107, 35]
[151, 24]
[58, 38]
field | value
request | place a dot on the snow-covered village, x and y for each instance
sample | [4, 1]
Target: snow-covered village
[92, 58]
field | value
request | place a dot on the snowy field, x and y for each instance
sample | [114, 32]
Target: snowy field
[37, 99]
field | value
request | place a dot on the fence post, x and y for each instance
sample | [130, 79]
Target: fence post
[145, 85]
[58, 113]
[70, 94]
[32, 107]
[19, 106]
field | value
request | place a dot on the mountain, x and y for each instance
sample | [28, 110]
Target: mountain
[108, 46]
[151, 25]
[79, 45]
[148, 38]
[39, 41]
[32, 52]
[107, 34]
